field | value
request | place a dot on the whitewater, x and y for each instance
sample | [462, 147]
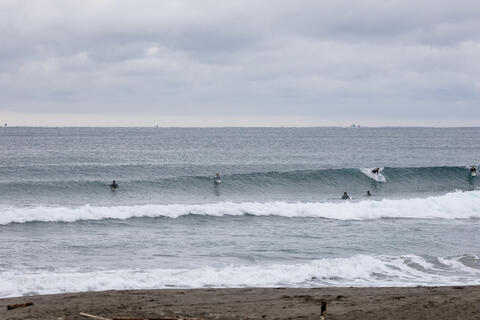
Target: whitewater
[276, 220]
[358, 270]
[456, 205]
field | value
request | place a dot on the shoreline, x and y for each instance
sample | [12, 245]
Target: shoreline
[444, 302]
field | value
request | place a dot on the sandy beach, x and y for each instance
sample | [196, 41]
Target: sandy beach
[457, 302]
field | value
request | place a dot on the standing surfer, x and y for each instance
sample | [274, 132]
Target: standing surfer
[376, 171]
[473, 171]
[217, 178]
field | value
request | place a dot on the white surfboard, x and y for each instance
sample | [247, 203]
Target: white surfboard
[377, 177]
[473, 174]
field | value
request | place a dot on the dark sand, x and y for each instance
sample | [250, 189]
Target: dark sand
[461, 302]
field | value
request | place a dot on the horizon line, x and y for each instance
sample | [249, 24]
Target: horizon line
[244, 127]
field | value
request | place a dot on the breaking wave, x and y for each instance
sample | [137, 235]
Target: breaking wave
[455, 205]
[143, 184]
[357, 270]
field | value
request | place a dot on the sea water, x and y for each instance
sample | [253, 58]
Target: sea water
[275, 220]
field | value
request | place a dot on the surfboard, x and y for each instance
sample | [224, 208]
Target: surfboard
[377, 177]
[473, 174]
[217, 181]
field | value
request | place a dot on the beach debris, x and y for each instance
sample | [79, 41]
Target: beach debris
[93, 317]
[323, 311]
[135, 318]
[169, 318]
[19, 305]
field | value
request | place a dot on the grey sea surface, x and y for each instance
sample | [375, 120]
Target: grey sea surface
[275, 220]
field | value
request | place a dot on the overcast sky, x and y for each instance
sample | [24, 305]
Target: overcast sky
[218, 63]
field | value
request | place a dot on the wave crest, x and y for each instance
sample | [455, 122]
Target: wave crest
[456, 205]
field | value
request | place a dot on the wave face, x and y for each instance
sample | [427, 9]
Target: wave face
[456, 205]
[141, 184]
[358, 270]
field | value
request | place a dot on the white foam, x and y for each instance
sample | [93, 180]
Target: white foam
[358, 270]
[377, 177]
[456, 205]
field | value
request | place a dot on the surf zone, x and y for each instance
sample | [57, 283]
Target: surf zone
[455, 205]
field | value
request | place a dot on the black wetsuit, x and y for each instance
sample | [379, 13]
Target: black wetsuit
[114, 186]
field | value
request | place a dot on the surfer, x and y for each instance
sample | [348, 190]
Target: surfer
[368, 193]
[473, 169]
[114, 185]
[345, 196]
[217, 178]
[376, 170]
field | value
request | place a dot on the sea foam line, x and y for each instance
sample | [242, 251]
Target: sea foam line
[456, 205]
[357, 270]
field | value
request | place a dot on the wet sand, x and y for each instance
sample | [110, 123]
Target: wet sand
[458, 302]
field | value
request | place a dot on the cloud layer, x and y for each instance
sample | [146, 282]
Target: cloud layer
[410, 60]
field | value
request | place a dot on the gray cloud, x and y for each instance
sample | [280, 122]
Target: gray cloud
[333, 59]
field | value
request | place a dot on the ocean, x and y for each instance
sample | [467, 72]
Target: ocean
[276, 220]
